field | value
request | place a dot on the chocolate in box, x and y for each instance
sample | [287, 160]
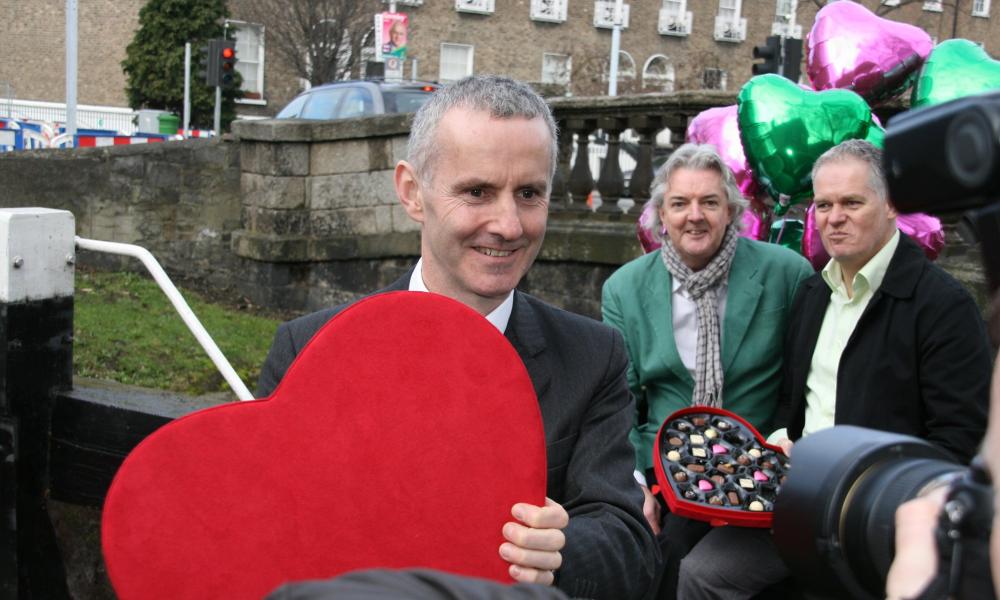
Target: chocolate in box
[713, 466]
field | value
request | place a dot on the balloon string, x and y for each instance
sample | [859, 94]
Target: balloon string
[781, 231]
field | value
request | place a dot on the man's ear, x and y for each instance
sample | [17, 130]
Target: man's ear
[408, 191]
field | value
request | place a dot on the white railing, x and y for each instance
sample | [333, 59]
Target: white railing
[87, 117]
[672, 24]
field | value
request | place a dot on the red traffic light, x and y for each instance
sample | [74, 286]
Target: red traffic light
[228, 53]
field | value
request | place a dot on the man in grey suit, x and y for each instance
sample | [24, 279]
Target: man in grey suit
[480, 161]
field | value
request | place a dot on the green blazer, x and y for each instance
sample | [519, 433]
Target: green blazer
[637, 301]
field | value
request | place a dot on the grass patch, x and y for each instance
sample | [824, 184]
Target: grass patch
[126, 330]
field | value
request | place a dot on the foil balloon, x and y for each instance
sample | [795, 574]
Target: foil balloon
[647, 240]
[923, 229]
[787, 233]
[812, 245]
[718, 127]
[852, 48]
[784, 129]
[956, 68]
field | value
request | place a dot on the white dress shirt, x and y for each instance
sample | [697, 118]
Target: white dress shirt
[500, 315]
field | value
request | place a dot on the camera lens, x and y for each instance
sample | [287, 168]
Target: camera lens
[834, 520]
[969, 149]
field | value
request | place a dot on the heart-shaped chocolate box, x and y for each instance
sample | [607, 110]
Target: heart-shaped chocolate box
[712, 465]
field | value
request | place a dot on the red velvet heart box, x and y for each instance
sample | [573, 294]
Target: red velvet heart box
[708, 454]
[401, 436]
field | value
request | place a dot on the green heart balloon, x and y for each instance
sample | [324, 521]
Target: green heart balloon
[955, 68]
[784, 129]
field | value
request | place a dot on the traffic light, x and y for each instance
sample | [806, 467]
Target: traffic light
[210, 64]
[771, 53]
[792, 59]
[226, 51]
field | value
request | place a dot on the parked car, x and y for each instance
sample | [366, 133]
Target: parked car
[348, 99]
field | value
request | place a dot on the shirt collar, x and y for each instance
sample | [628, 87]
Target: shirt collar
[500, 315]
[869, 277]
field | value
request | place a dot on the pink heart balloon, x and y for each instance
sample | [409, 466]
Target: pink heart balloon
[718, 127]
[852, 48]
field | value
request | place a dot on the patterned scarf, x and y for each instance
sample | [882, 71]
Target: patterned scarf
[702, 286]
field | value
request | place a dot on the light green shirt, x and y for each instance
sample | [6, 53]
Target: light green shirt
[842, 315]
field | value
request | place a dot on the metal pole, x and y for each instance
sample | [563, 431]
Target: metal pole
[71, 15]
[615, 45]
[218, 110]
[186, 123]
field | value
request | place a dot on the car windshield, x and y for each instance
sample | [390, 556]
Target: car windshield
[404, 101]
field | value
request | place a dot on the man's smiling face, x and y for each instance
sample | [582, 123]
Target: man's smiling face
[483, 205]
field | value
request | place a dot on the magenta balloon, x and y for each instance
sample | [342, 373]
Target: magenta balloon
[852, 48]
[812, 245]
[925, 230]
[718, 127]
[754, 227]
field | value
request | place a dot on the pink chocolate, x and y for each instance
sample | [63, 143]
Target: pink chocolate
[719, 449]
[759, 476]
[704, 485]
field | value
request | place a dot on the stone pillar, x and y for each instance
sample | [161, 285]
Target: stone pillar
[36, 335]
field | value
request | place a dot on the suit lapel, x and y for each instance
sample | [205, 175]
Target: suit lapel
[525, 335]
[655, 300]
[743, 294]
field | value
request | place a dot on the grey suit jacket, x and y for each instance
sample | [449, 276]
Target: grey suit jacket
[577, 366]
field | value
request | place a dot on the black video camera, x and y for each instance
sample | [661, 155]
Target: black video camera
[834, 521]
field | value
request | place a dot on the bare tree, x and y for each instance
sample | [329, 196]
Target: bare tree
[320, 40]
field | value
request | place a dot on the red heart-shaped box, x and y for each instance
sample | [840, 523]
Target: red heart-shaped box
[401, 436]
[701, 510]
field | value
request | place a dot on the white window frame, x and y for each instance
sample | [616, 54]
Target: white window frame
[604, 14]
[479, 7]
[624, 58]
[983, 9]
[557, 16]
[665, 81]
[730, 28]
[890, 2]
[470, 60]
[933, 6]
[567, 68]
[674, 18]
[242, 60]
[784, 23]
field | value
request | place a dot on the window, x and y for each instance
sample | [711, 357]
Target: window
[784, 19]
[933, 6]
[250, 59]
[604, 14]
[674, 18]
[552, 11]
[482, 7]
[556, 68]
[357, 102]
[456, 61]
[323, 105]
[658, 74]
[729, 26]
[713, 79]
[890, 2]
[980, 8]
[626, 67]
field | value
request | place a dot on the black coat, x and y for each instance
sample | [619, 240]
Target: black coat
[918, 362]
[577, 366]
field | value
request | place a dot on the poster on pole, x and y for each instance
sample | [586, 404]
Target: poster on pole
[394, 28]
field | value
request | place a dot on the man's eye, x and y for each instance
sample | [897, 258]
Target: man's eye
[528, 194]
[476, 192]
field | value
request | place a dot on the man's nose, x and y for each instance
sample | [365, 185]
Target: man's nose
[506, 221]
[695, 213]
[837, 214]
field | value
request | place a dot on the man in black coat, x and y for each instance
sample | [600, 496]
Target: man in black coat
[881, 337]
[477, 178]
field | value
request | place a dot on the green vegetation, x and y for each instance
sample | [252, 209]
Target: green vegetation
[154, 60]
[127, 331]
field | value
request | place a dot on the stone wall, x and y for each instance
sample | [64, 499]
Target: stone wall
[180, 200]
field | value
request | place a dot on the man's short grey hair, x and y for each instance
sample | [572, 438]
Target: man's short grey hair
[695, 156]
[863, 151]
[501, 97]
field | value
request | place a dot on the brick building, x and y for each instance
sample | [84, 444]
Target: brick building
[667, 44]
